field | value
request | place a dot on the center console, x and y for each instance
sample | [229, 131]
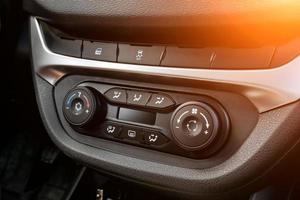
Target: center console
[195, 120]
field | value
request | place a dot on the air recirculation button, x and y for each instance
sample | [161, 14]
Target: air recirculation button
[194, 125]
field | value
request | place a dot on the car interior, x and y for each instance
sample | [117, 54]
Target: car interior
[150, 99]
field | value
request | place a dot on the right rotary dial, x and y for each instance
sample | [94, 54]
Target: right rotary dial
[194, 125]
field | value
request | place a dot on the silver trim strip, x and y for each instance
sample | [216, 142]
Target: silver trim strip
[266, 89]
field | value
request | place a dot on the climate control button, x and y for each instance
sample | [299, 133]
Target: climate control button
[111, 129]
[137, 98]
[116, 95]
[79, 106]
[194, 125]
[160, 101]
[154, 138]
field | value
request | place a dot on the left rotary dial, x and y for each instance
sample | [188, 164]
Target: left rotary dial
[79, 106]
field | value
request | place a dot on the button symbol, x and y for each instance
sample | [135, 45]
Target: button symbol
[131, 133]
[179, 118]
[194, 111]
[159, 100]
[206, 120]
[111, 129]
[78, 106]
[139, 55]
[152, 138]
[117, 94]
[192, 126]
[137, 97]
[98, 51]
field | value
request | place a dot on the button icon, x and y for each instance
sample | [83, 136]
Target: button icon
[137, 97]
[159, 100]
[78, 107]
[194, 111]
[131, 133]
[192, 126]
[139, 55]
[152, 138]
[98, 52]
[117, 94]
[110, 129]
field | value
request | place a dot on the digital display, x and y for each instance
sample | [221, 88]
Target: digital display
[137, 116]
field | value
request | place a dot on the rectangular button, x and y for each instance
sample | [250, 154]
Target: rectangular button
[160, 101]
[132, 133]
[116, 95]
[147, 55]
[100, 51]
[154, 138]
[187, 57]
[286, 52]
[243, 58]
[137, 98]
[110, 129]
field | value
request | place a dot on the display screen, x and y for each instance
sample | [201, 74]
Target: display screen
[137, 116]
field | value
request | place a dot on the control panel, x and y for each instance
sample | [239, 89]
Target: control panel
[195, 127]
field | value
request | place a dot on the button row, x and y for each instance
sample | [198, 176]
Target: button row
[132, 134]
[139, 98]
[214, 58]
[172, 56]
[123, 53]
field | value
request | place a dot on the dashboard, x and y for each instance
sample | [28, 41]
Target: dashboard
[196, 98]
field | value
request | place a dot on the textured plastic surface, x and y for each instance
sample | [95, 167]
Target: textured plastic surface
[162, 13]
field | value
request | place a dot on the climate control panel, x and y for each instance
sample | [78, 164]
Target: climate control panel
[184, 124]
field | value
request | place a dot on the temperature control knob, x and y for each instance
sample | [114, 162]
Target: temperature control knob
[79, 106]
[194, 125]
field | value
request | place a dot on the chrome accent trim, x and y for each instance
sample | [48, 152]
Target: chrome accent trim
[266, 89]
